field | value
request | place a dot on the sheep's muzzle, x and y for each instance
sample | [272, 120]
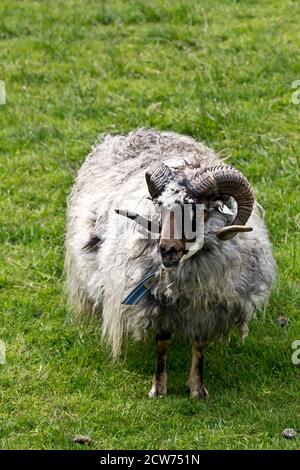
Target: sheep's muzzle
[171, 247]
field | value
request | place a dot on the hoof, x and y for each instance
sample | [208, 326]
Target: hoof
[200, 392]
[156, 393]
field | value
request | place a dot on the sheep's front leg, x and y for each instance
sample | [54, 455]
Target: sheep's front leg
[195, 383]
[159, 383]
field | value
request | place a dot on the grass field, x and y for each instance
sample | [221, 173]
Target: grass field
[219, 71]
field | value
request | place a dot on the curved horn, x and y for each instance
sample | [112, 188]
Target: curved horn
[150, 225]
[230, 231]
[224, 179]
[157, 177]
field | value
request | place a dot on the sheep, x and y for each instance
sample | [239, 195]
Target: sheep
[199, 287]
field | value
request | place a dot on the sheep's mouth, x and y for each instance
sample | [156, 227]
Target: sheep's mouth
[170, 265]
[173, 261]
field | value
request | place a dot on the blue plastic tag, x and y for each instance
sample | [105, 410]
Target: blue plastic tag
[138, 293]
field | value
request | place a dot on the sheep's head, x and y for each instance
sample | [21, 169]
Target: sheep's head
[195, 205]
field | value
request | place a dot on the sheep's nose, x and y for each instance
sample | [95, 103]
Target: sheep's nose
[171, 251]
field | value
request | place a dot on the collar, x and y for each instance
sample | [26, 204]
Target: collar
[138, 292]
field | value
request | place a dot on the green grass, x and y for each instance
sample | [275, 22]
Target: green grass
[219, 71]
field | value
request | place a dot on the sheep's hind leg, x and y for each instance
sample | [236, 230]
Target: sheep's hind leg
[159, 382]
[195, 383]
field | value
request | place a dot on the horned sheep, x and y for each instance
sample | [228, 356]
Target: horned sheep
[138, 273]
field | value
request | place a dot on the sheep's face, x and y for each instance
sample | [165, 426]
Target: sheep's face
[188, 223]
[195, 207]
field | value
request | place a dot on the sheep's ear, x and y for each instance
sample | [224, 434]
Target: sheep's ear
[226, 233]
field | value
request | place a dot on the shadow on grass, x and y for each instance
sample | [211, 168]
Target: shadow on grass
[230, 367]
[220, 359]
[263, 362]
